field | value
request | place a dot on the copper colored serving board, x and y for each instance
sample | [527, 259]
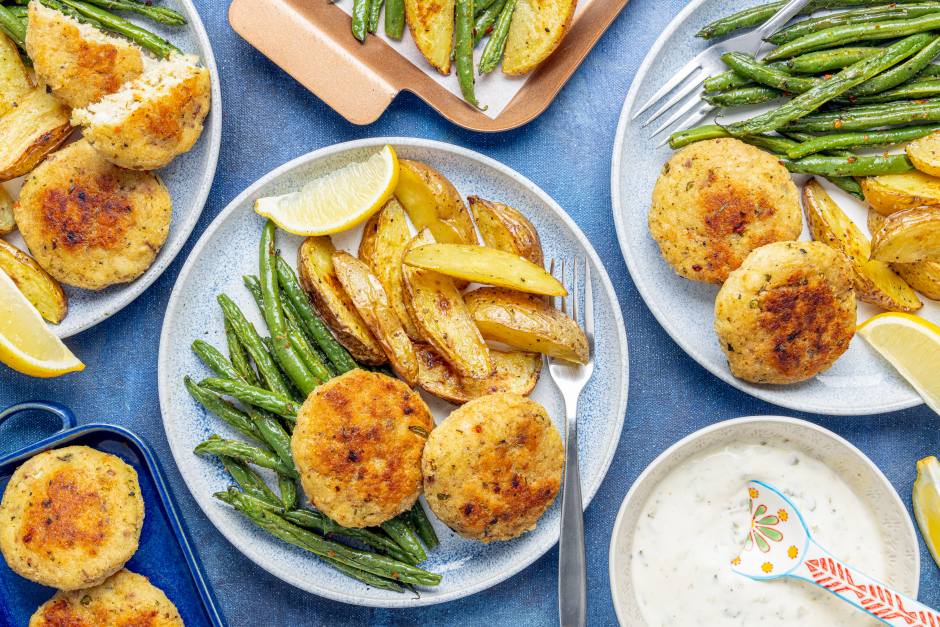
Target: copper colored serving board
[311, 41]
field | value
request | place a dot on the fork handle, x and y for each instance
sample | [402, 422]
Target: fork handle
[572, 566]
[781, 17]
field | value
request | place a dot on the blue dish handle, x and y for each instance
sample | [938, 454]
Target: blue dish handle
[63, 412]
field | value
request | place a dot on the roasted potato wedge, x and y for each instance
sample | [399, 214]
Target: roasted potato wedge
[897, 192]
[37, 126]
[925, 153]
[35, 283]
[440, 313]
[326, 293]
[369, 297]
[923, 276]
[504, 228]
[431, 23]
[538, 26]
[383, 244]
[875, 283]
[516, 371]
[908, 236]
[433, 202]
[479, 264]
[14, 81]
[7, 219]
[528, 322]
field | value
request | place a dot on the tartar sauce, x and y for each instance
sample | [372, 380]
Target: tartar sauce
[697, 519]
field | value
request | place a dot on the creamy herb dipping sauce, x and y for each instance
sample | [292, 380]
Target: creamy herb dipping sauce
[697, 519]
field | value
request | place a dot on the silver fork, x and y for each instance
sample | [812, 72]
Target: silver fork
[710, 64]
[571, 378]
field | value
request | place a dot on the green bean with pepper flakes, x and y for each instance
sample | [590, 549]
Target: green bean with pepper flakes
[864, 117]
[898, 74]
[295, 394]
[400, 532]
[12, 26]
[868, 139]
[373, 537]
[493, 51]
[145, 38]
[423, 525]
[249, 481]
[744, 96]
[255, 396]
[375, 11]
[915, 90]
[224, 410]
[463, 47]
[250, 339]
[858, 16]
[771, 77]
[483, 25]
[245, 453]
[825, 60]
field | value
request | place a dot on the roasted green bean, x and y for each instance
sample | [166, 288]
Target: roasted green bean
[493, 51]
[256, 396]
[463, 50]
[757, 72]
[249, 481]
[849, 166]
[423, 525]
[250, 339]
[869, 139]
[12, 26]
[858, 16]
[119, 25]
[743, 96]
[825, 60]
[375, 12]
[404, 537]
[360, 18]
[394, 18]
[864, 117]
[245, 453]
[908, 91]
[224, 410]
[898, 74]
[375, 538]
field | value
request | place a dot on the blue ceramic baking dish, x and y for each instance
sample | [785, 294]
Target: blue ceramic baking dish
[164, 554]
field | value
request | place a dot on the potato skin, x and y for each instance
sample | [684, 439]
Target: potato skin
[35, 283]
[925, 154]
[71, 517]
[357, 446]
[895, 192]
[14, 80]
[908, 236]
[30, 132]
[515, 371]
[923, 276]
[506, 229]
[7, 219]
[716, 201]
[787, 314]
[493, 467]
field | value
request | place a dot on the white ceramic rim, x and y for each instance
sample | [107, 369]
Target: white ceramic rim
[168, 254]
[647, 294]
[327, 152]
[876, 472]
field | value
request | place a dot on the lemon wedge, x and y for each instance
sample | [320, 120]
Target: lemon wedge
[26, 343]
[337, 201]
[927, 503]
[912, 345]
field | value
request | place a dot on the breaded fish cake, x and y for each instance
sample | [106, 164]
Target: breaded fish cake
[716, 201]
[123, 600]
[787, 314]
[77, 62]
[357, 446]
[71, 517]
[493, 467]
[89, 223]
[151, 119]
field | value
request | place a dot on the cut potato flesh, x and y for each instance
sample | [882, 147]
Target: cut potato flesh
[506, 229]
[37, 126]
[908, 236]
[875, 283]
[923, 276]
[515, 371]
[896, 192]
[37, 286]
[527, 322]
[925, 153]
[7, 219]
[14, 81]
[431, 23]
[538, 26]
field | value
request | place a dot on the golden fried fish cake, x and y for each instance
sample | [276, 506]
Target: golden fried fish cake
[357, 446]
[71, 517]
[787, 314]
[493, 467]
[716, 201]
[123, 600]
[89, 223]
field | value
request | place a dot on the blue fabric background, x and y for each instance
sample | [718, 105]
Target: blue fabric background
[269, 120]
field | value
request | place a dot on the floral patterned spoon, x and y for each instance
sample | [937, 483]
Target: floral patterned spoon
[780, 545]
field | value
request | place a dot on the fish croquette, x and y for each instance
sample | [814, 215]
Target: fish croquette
[78, 63]
[151, 119]
[89, 223]
[71, 517]
[715, 201]
[787, 314]
[123, 600]
[357, 446]
[493, 467]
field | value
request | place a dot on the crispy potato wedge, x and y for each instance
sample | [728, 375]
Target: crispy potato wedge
[14, 81]
[504, 228]
[326, 293]
[37, 286]
[538, 26]
[369, 297]
[923, 276]
[37, 126]
[897, 192]
[7, 219]
[479, 264]
[440, 313]
[908, 236]
[925, 153]
[875, 283]
[431, 23]
[528, 322]
[516, 371]
[383, 244]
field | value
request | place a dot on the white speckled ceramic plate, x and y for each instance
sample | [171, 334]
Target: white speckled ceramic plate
[229, 249]
[902, 556]
[188, 178]
[861, 382]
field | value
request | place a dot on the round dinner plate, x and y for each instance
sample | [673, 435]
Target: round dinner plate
[229, 249]
[861, 381]
[188, 177]
[902, 555]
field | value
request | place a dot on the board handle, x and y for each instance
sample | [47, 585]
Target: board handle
[64, 413]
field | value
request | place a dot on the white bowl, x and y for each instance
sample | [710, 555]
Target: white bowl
[860, 473]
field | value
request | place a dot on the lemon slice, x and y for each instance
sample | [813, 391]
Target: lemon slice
[927, 503]
[337, 201]
[912, 345]
[26, 343]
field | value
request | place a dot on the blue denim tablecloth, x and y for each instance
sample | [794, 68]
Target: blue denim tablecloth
[269, 120]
